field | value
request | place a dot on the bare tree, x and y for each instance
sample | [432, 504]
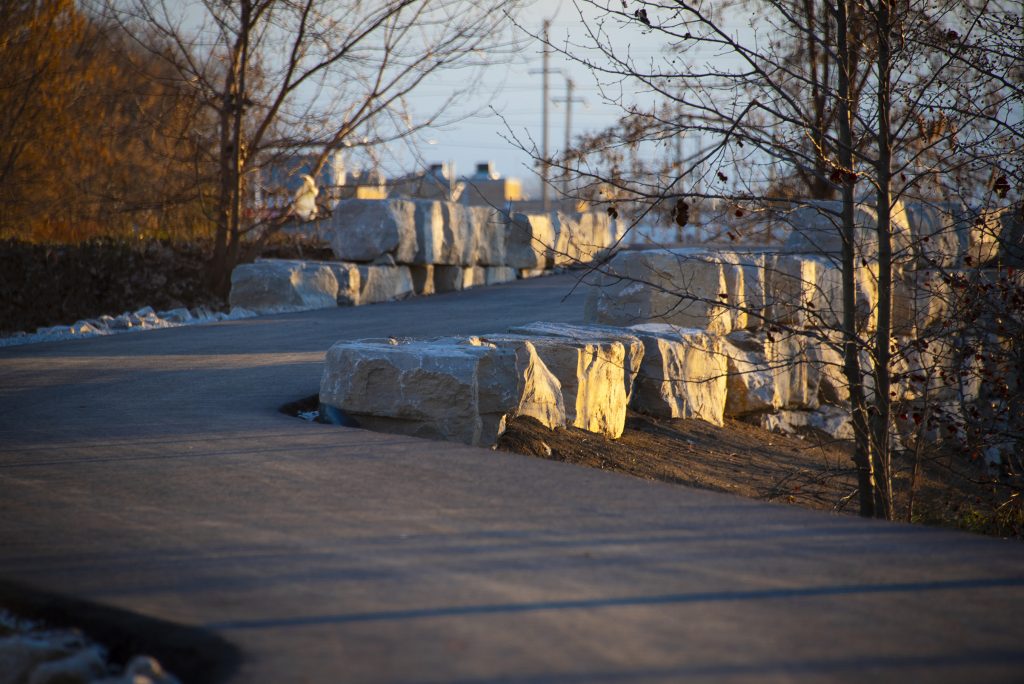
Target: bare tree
[279, 77]
[866, 100]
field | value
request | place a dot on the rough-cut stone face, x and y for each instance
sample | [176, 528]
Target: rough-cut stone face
[633, 347]
[349, 281]
[815, 229]
[592, 377]
[529, 240]
[458, 244]
[429, 232]
[684, 287]
[920, 299]
[384, 283]
[826, 379]
[422, 278]
[449, 278]
[832, 420]
[365, 230]
[683, 374]
[275, 286]
[495, 275]
[766, 375]
[487, 227]
[936, 230]
[460, 390]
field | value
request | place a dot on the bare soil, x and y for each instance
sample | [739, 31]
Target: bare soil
[811, 470]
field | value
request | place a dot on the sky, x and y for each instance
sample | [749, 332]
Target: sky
[509, 103]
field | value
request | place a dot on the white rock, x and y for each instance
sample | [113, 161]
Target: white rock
[683, 374]
[815, 229]
[592, 377]
[684, 287]
[383, 283]
[937, 229]
[441, 389]
[365, 230]
[826, 378]
[832, 420]
[920, 300]
[422, 279]
[495, 275]
[579, 237]
[632, 345]
[349, 281]
[274, 286]
[487, 228]
[529, 240]
[429, 232]
[449, 278]
[766, 375]
[458, 243]
[81, 667]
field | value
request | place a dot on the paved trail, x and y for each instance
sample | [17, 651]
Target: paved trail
[152, 472]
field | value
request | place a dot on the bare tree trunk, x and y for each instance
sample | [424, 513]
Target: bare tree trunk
[881, 415]
[851, 358]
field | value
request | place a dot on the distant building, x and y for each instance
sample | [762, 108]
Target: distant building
[437, 183]
[487, 187]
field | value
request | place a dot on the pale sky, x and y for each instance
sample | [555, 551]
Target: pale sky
[516, 96]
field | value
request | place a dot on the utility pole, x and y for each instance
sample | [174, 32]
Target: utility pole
[544, 166]
[568, 100]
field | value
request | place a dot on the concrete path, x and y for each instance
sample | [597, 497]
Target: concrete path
[153, 473]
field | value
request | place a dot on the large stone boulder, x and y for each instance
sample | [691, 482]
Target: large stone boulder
[579, 237]
[367, 230]
[632, 345]
[592, 377]
[460, 390]
[381, 283]
[684, 287]
[683, 374]
[767, 373]
[276, 286]
[816, 229]
[486, 226]
[920, 300]
[349, 281]
[939, 232]
[529, 240]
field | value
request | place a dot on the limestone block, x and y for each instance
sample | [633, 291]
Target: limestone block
[422, 278]
[495, 275]
[684, 287]
[529, 241]
[683, 374]
[944, 369]
[274, 286]
[380, 283]
[473, 276]
[920, 300]
[457, 244]
[832, 420]
[815, 229]
[527, 273]
[429, 221]
[767, 374]
[936, 229]
[632, 345]
[365, 230]
[591, 374]
[994, 237]
[807, 291]
[826, 378]
[486, 226]
[349, 281]
[461, 390]
[449, 278]
[580, 237]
